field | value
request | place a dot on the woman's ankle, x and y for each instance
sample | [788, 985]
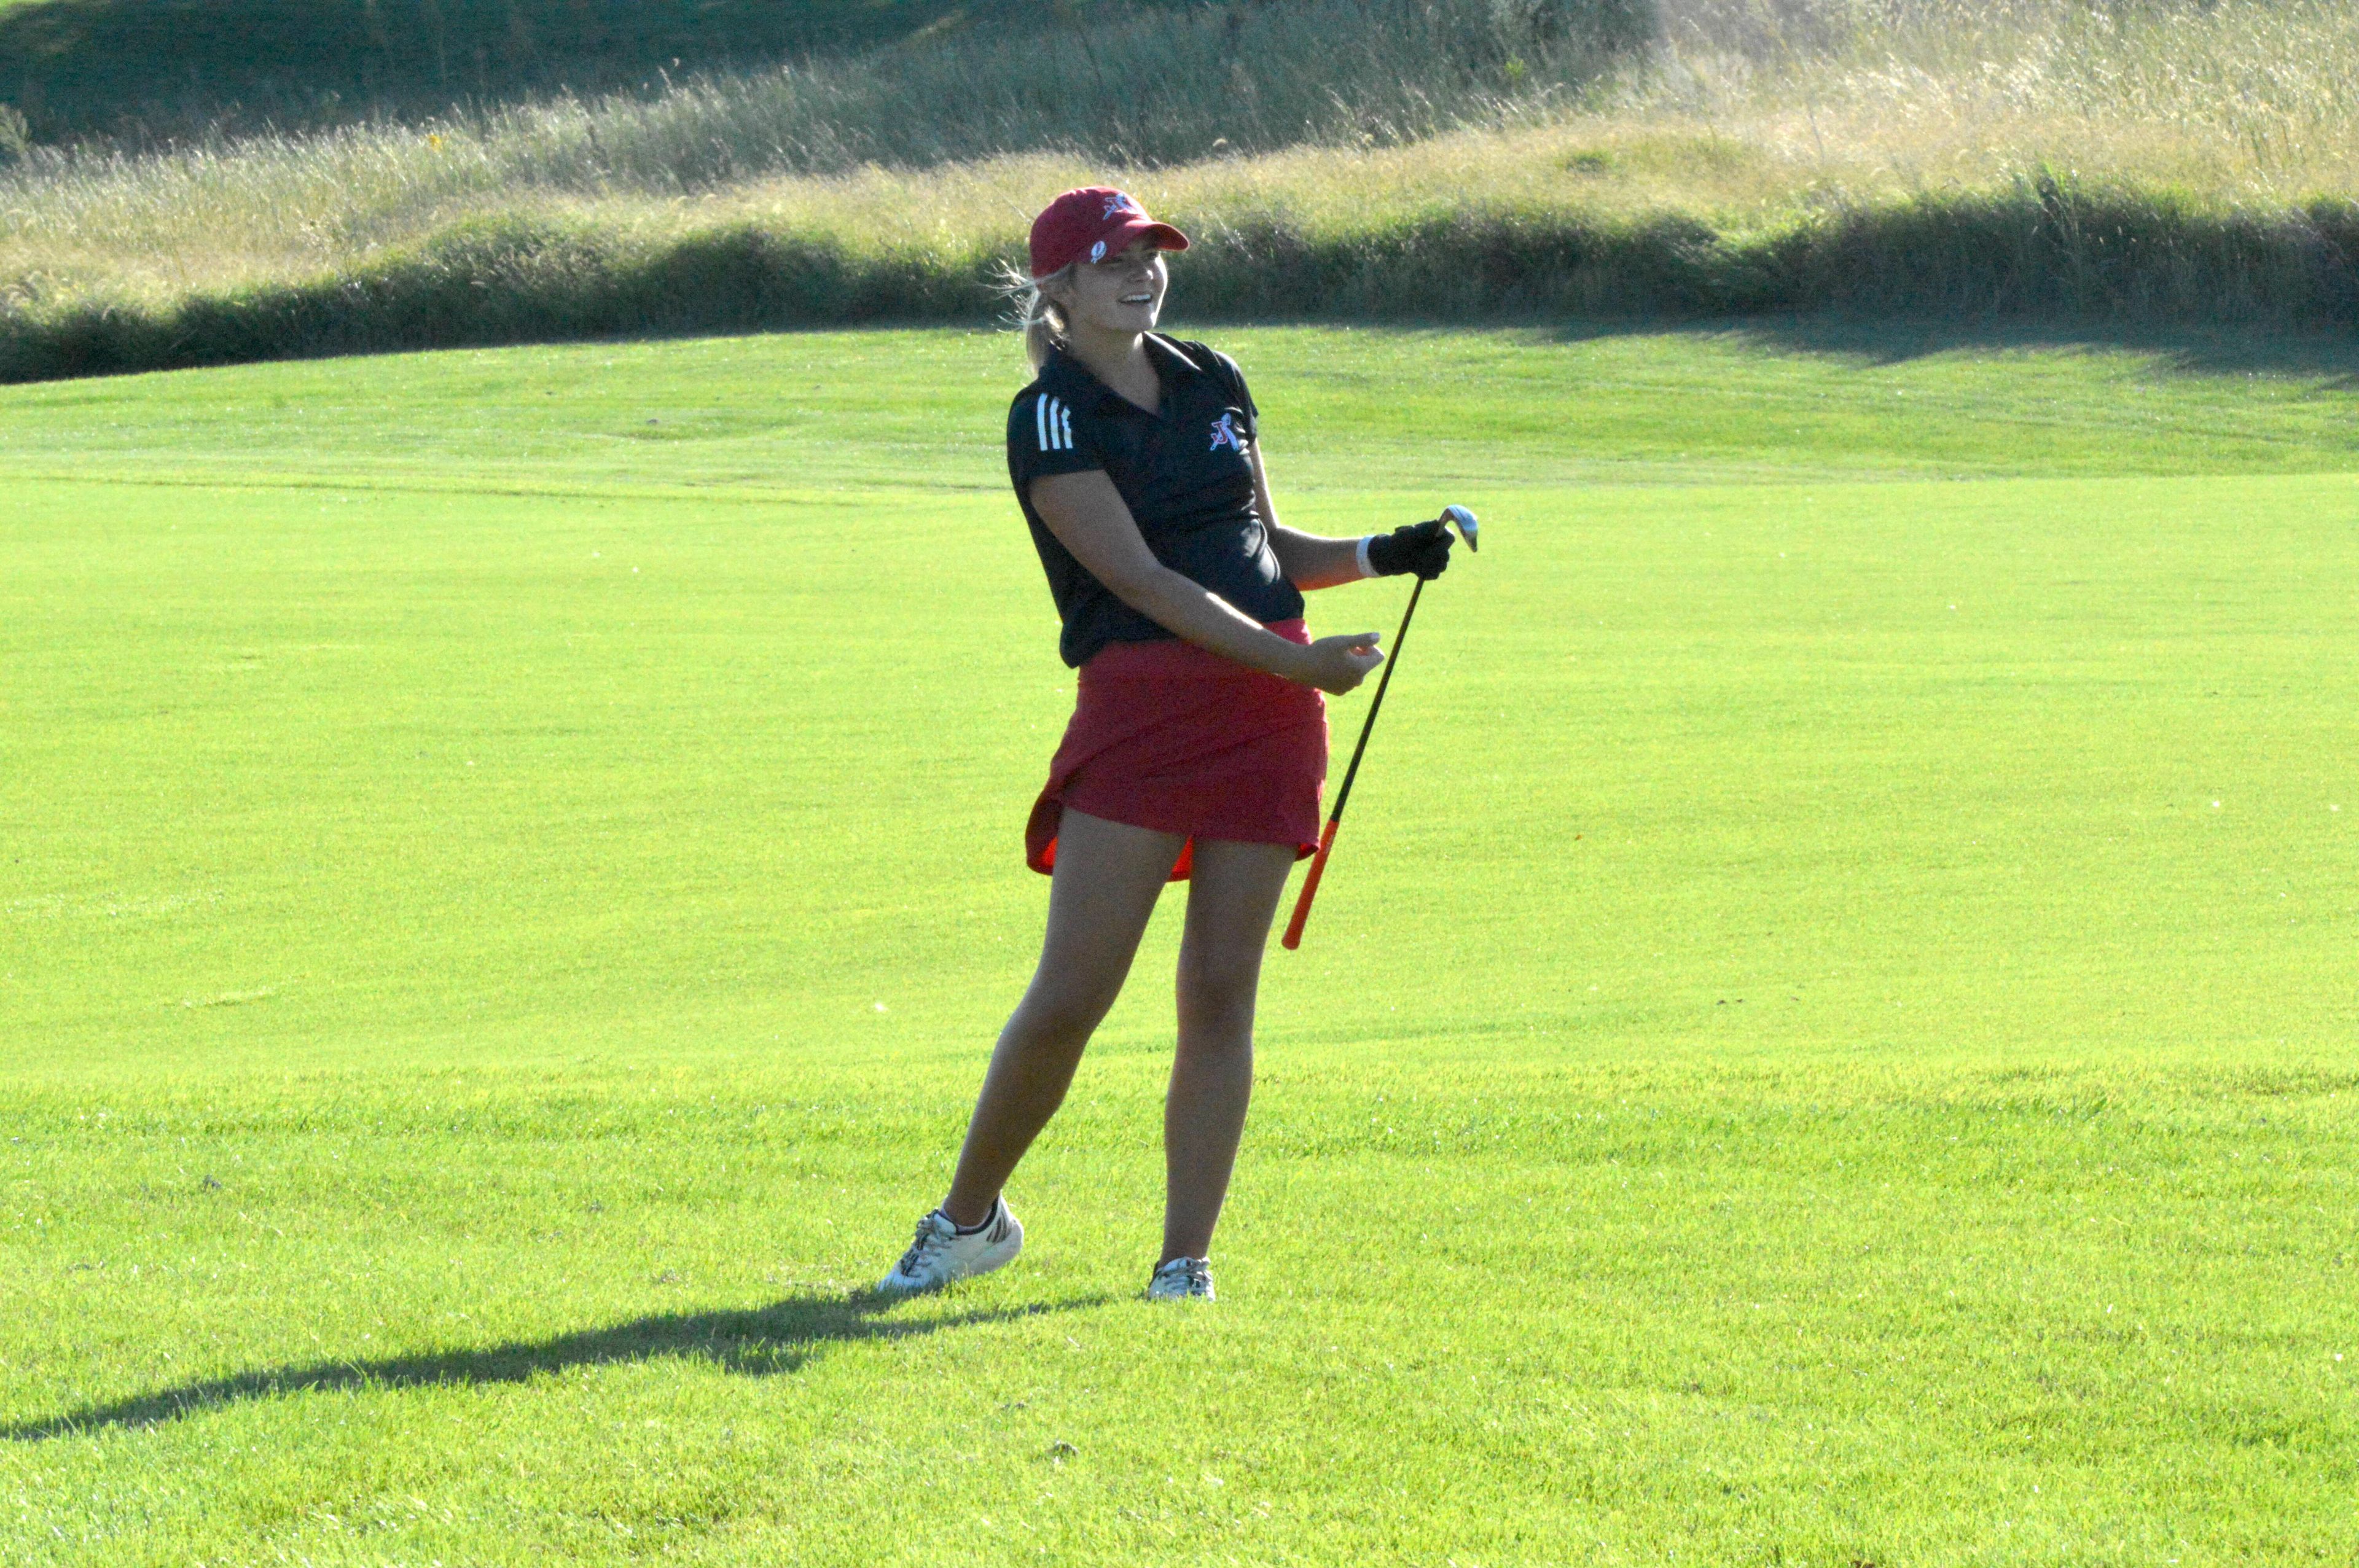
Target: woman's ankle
[969, 1215]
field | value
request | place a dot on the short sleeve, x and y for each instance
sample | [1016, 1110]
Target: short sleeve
[1238, 392]
[1046, 434]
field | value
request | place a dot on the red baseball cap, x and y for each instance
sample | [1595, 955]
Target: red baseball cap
[1093, 224]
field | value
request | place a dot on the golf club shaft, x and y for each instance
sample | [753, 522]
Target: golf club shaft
[1293, 938]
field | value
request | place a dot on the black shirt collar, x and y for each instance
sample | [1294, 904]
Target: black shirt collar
[1069, 378]
[1162, 347]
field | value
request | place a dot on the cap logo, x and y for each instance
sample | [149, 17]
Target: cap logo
[1097, 251]
[1120, 202]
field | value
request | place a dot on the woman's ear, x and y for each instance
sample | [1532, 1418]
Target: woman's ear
[1057, 288]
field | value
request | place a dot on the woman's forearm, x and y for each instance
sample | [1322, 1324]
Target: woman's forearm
[1188, 609]
[1311, 561]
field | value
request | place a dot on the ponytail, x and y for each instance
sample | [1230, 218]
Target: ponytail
[1040, 318]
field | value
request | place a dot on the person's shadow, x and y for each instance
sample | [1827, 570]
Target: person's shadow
[762, 1342]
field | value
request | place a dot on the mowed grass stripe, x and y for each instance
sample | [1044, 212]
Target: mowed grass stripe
[1783, 1066]
[804, 415]
[1941, 758]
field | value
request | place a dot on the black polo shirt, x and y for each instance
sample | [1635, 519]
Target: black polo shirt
[1182, 469]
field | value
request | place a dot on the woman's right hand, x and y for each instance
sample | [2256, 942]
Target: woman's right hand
[1336, 665]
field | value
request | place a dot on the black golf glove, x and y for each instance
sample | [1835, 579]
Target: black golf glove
[1422, 547]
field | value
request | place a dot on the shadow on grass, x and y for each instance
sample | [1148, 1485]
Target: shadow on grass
[762, 1342]
[2329, 357]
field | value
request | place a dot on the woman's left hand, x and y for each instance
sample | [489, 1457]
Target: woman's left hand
[1422, 548]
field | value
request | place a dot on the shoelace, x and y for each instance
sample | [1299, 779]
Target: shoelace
[1197, 1270]
[929, 1239]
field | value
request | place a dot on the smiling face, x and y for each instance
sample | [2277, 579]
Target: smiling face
[1122, 294]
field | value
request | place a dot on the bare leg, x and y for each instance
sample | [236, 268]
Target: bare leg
[1231, 898]
[1108, 879]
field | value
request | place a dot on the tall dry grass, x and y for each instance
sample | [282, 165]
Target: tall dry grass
[1753, 142]
[2236, 99]
[1147, 88]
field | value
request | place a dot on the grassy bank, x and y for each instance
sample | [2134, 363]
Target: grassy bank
[2041, 248]
[786, 86]
[2157, 165]
[142, 70]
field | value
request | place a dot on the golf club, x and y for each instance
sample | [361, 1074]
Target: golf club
[1464, 521]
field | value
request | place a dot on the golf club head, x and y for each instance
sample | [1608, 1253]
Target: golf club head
[1466, 524]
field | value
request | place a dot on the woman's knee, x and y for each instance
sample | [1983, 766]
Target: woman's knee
[1064, 1009]
[1217, 1006]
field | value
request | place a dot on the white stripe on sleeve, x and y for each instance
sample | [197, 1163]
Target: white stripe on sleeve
[1040, 421]
[1065, 414]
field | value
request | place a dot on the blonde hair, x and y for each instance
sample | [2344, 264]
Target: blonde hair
[1040, 318]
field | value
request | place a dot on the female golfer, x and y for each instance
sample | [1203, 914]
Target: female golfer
[1198, 742]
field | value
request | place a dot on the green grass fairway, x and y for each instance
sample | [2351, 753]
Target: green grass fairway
[1829, 1038]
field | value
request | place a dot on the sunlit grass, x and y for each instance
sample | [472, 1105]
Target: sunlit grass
[1826, 1040]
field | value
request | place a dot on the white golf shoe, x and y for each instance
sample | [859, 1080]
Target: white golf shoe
[942, 1252]
[1181, 1280]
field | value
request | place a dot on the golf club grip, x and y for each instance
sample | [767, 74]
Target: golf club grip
[1293, 938]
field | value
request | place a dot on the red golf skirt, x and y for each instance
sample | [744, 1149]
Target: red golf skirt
[1173, 737]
